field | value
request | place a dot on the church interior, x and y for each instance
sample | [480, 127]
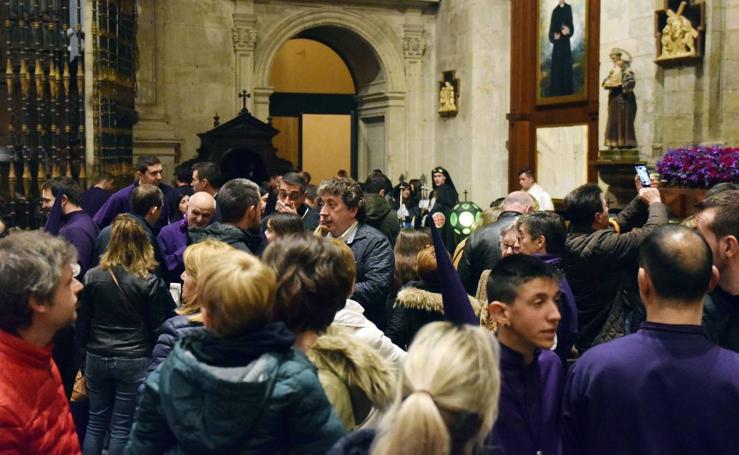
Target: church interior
[265, 86]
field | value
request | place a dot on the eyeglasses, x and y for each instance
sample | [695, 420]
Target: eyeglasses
[293, 196]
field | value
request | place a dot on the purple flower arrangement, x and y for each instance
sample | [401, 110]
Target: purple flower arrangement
[699, 166]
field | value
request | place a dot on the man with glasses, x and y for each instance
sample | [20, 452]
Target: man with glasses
[291, 197]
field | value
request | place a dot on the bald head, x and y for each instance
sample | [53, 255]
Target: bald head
[678, 261]
[518, 201]
[200, 209]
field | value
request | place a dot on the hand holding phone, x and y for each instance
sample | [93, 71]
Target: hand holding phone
[641, 171]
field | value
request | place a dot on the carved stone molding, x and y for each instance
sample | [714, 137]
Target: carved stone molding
[244, 38]
[244, 33]
[414, 46]
[414, 41]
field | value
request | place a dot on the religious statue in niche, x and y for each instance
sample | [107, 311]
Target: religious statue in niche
[448, 95]
[620, 84]
[678, 32]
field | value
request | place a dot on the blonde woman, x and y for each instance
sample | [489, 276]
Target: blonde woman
[446, 400]
[241, 387]
[121, 307]
[189, 320]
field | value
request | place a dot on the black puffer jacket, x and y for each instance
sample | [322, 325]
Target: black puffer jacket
[109, 326]
[250, 242]
[375, 264]
[482, 251]
[601, 267]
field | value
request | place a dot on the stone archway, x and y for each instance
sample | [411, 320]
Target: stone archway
[367, 49]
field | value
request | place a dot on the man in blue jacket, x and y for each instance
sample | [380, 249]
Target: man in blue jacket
[342, 217]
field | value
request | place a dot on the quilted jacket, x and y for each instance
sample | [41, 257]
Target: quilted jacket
[34, 414]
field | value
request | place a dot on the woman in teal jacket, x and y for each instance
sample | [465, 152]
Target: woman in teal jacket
[239, 388]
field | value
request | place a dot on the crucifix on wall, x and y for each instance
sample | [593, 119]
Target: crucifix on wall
[448, 95]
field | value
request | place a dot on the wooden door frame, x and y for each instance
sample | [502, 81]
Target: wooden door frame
[525, 116]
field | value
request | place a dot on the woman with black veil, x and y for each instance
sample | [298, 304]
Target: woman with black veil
[443, 199]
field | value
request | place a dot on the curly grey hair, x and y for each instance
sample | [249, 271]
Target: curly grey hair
[348, 189]
[31, 263]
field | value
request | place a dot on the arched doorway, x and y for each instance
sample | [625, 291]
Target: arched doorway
[370, 54]
[313, 107]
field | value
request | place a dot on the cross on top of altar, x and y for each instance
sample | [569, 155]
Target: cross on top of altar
[244, 95]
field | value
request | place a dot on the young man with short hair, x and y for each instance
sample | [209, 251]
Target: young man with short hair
[543, 234]
[148, 171]
[718, 221]
[528, 184]
[523, 292]
[665, 388]
[600, 261]
[38, 296]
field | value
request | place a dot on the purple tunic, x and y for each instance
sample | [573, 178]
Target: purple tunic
[567, 328]
[81, 232]
[119, 203]
[172, 243]
[665, 389]
[92, 199]
[528, 411]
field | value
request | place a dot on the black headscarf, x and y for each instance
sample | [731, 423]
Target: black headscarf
[441, 170]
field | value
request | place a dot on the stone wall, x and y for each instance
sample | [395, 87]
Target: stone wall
[691, 103]
[472, 37]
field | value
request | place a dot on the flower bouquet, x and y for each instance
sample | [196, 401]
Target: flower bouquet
[699, 166]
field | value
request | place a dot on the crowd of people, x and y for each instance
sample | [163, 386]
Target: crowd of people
[229, 317]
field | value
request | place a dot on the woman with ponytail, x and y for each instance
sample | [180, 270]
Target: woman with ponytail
[446, 400]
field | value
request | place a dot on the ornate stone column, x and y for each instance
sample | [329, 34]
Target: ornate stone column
[244, 39]
[414, 49]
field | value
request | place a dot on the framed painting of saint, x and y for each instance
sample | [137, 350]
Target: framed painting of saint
[562, 51]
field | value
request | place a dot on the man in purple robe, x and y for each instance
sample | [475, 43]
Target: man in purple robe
[148, 171]
[665, 388]
[542, 234]
[93, 198]
[173, 238]
[523, 292]
[69, 220]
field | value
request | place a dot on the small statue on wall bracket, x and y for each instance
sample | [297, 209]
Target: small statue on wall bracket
[448, 95]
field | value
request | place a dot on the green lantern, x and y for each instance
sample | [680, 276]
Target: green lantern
[463, 217]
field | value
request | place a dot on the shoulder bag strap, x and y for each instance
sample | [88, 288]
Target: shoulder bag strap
[123, 297]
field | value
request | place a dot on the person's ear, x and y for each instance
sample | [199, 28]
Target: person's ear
[138, 176]
[500, 313]
[729, 246]
[541, 242]
[713, 282]
[382, 192]
[37, 305]
[354, 211]
[645, 282]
